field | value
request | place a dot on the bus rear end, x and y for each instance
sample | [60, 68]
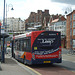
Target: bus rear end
[46, 47]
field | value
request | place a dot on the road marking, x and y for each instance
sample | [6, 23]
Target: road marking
[32, 71]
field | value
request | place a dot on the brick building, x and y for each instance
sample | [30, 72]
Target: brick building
[40, 20]
[70, 30]
[37, 18]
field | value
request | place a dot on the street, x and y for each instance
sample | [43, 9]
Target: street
[37, 37]
[66, 68]
[13, 67]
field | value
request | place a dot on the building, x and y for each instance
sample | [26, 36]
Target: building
[59, 24]
[35, 20]
[21, 26]
[70, 30]
[40, 20]
[15, 25]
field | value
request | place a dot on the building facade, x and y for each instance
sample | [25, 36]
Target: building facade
[59, 25]
[35, 20]
[15, 25]
[70, 30]
[21, 26]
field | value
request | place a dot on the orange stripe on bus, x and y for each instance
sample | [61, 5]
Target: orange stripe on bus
[24, 54]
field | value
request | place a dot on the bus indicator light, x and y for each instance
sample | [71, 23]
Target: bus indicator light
[57, 33]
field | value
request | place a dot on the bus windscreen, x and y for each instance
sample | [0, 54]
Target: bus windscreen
[47, 41]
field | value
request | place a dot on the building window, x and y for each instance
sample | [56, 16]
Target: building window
[73, 16]
[36, 18]
[74, 43]
[73, 24]
[73, 31]
[64, 23]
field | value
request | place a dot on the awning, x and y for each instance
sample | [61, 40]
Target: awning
[37, 26]
[31, 28]
[4, 35]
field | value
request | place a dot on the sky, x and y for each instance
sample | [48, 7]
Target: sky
[22, 8]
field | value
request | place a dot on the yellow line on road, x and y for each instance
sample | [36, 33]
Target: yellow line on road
[32, 70]
[27, 67]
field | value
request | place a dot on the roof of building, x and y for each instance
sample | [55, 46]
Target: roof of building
[56, 20]
[4, 35]
[62, 18]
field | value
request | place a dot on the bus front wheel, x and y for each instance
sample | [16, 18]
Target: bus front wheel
[24, 60]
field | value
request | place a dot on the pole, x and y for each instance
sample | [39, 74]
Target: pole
[10, 5]
[0, 42]
[6, 18]
[3, 56]
[4, 15]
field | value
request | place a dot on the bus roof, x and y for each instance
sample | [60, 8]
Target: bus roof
[22, 35]
[27, 34]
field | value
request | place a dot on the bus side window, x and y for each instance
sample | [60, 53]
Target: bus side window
[24, 45]
[28, 45]
[18, 45]
[21, 44]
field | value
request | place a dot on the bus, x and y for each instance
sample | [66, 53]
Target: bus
[38, 47]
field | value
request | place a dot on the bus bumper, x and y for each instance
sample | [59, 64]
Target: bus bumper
[46, 61]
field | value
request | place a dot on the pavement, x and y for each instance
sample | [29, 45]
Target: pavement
[12, 67]
[67, 56]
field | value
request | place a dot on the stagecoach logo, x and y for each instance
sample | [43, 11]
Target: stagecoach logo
[45, 52]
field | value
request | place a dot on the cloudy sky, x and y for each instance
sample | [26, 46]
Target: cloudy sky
[22, 8]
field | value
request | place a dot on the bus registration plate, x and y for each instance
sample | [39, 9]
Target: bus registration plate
[47, 61]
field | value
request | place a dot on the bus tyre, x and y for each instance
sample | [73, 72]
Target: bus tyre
[24, 60]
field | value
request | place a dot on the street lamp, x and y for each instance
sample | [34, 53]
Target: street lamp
[10, 5]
